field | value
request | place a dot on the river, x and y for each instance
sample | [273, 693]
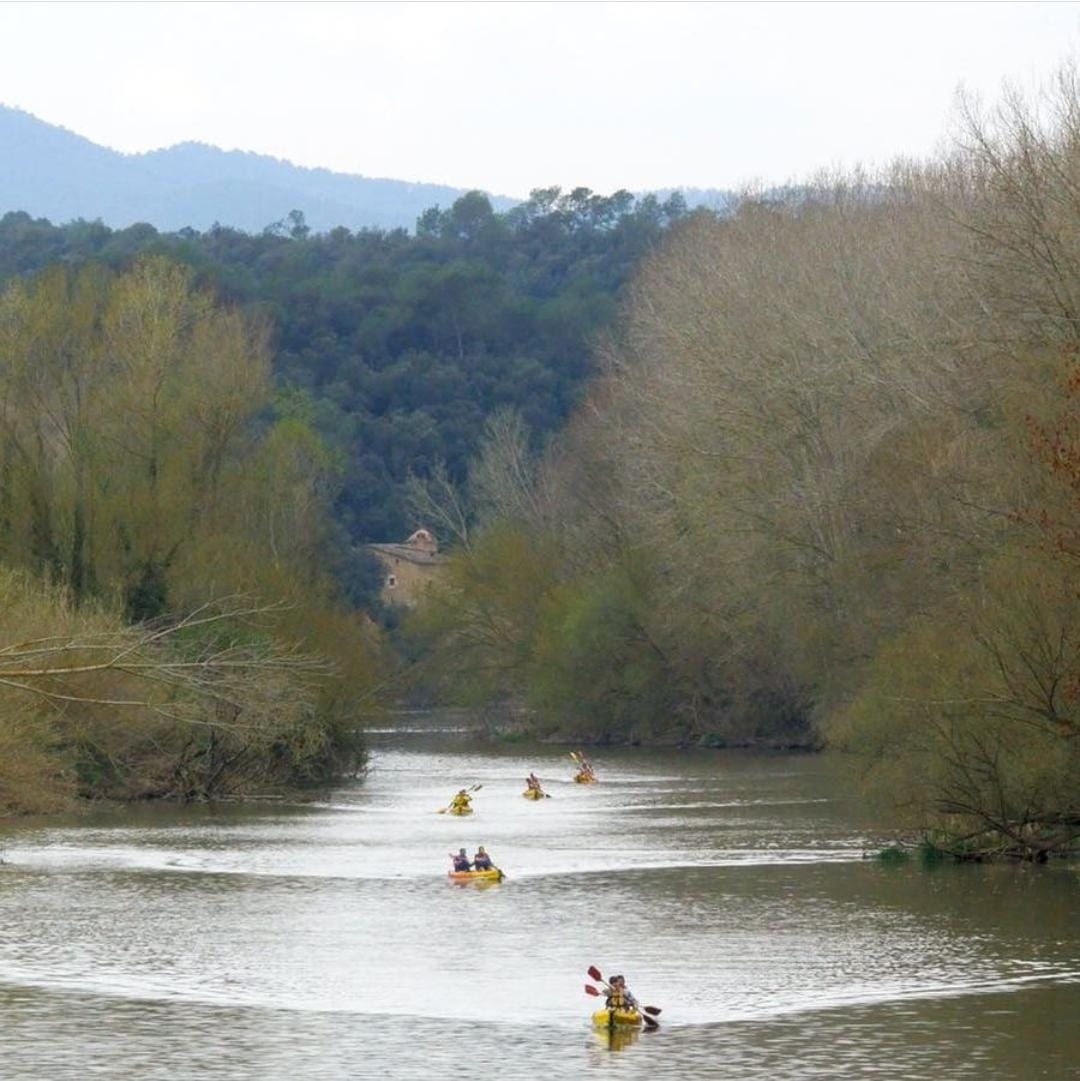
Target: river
[324, 941]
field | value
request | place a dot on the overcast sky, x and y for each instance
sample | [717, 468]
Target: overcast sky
[513, 96]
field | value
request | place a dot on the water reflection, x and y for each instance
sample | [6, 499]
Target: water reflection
[616, 1039]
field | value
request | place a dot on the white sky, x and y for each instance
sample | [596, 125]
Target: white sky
[511, 96]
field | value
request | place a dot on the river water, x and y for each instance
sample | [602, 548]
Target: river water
[324, 941]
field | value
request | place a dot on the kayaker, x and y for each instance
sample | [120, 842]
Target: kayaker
[461, 801]
[461, 860]
[482, 861]
[585, 771]
[618, 997]
[533, 782]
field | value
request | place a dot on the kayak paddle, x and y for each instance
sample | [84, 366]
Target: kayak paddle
[653, 1011]
[648, 1013]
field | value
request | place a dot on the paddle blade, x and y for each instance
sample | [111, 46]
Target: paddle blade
[590, 990]
[594, 973]
[441, 811]
[654, 1010]
[649, 1022]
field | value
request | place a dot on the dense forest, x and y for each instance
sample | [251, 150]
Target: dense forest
[396, 346]
[198, 431]
[826, 487]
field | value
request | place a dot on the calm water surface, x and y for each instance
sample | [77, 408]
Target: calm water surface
[324, 941]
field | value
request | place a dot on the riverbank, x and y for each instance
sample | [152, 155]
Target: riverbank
[515, 724]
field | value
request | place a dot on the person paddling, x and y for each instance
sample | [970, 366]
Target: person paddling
[461, 801]
[585, 770]
[482, 861]
[533, 783]
[461, 860]
[618, 996]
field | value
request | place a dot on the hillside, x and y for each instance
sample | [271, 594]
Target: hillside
[53, 173]
[50, 172]
[399, 347]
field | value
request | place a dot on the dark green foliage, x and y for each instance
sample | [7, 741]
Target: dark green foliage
[146, 597]
[893, 854]
[929, 853]
[407, 343]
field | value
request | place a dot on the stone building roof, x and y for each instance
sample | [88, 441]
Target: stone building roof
[409, 553]
[421, 547]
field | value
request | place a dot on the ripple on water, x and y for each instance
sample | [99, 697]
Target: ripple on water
[324, 941]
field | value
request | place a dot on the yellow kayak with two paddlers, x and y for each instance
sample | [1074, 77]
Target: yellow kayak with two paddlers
[492, 875]
[585, 773]
[620, 1011]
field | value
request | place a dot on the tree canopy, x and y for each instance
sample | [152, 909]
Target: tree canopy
[144, 479]
[405, 344]
[825, 488]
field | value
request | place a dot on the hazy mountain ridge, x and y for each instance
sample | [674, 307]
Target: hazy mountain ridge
[51, 172]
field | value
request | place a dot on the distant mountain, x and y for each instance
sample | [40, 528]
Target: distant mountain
[52, 173]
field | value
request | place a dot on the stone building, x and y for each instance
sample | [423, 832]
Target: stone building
[409, 568]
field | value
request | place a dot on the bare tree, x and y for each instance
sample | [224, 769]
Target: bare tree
[439, 502]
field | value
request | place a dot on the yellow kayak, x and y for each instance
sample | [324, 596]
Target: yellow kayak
[533, 793]
[610, 1018]
[494, 875]
[459, 810]
[584, 778]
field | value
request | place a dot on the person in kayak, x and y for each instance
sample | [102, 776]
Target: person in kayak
[482, 861]
[461, 801]
[618, 997]
[461, 860]
[533, 783]
[585, 770]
